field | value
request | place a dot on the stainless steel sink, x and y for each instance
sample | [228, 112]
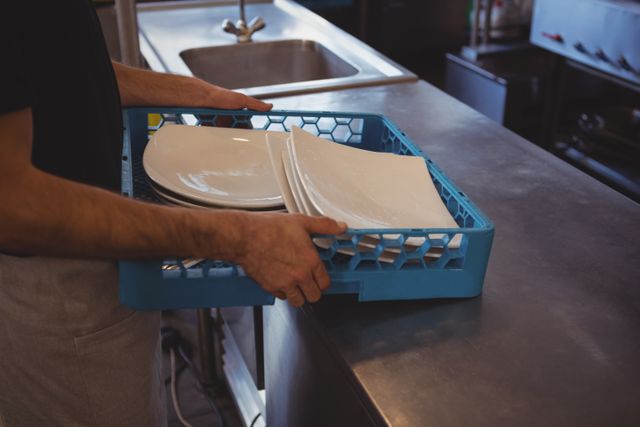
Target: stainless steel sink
[247, 65]
[297, 51]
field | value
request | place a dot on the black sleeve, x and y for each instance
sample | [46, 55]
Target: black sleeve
[16, 89]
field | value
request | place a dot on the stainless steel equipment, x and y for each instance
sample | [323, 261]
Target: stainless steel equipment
[603, 34]
[508, 87]
[596, 126]
[593, 108]
[497, 27]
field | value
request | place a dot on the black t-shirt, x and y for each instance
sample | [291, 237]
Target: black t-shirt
[53, 59]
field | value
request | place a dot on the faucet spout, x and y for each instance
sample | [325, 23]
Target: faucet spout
[241, 6]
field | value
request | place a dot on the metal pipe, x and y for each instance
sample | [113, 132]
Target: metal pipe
[127, 18]
[241, 4]
[205, 346]
[218, 335]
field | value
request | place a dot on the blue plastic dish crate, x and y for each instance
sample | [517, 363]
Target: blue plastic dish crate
[430, 270]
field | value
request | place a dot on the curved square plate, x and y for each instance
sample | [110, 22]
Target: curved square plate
[220, 166]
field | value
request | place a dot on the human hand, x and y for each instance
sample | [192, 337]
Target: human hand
[212, 96]
[281, 257]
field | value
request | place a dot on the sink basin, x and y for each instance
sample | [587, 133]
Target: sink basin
[297, 52]
[247, 65]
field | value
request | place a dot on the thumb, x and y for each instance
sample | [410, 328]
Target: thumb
[324, 225]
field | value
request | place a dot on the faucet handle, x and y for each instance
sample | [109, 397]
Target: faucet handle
[256, 24]
[241, 30]
[229, 27]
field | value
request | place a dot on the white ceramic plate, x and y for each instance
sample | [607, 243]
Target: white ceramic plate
[219, 166]
[288, 181]
[277, 145]
[300, 195]
[368, 189]
[174, 200]
[303, 205]
[299, 201]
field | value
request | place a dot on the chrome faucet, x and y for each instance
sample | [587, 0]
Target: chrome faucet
[243, 31]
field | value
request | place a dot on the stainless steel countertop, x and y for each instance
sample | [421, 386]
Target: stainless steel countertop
[555, 337]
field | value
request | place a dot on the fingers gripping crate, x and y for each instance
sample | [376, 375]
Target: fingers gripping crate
[432, 268]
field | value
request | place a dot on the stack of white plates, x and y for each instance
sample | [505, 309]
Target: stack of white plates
[362, 188]
[208, 167]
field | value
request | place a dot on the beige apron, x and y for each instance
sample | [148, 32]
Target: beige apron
[70, 354]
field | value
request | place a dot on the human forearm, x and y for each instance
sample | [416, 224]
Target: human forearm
[64, 218]
[44, 214]
[142, 87]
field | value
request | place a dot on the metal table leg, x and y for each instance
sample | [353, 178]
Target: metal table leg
[208, 347]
